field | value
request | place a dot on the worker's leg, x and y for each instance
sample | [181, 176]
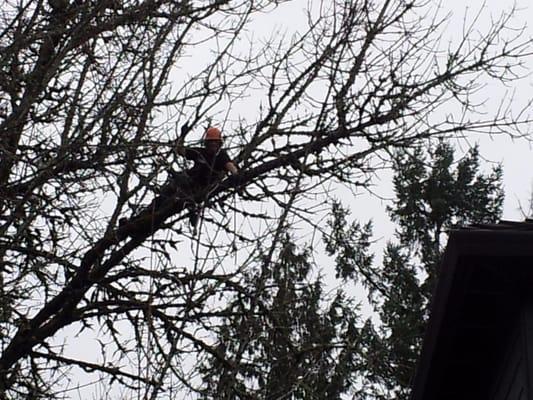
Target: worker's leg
[199, 193]
[178, 184]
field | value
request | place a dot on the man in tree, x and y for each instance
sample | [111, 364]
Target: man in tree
[211, 163]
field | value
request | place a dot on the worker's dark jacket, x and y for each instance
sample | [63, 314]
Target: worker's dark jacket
[207, 168]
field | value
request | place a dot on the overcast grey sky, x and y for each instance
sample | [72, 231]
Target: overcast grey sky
[516, 156]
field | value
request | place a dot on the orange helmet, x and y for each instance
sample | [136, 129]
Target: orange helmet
[213, 133]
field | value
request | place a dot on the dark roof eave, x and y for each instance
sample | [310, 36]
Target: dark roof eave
[483, 242]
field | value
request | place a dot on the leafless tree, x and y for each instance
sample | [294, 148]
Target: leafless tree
[92, 93]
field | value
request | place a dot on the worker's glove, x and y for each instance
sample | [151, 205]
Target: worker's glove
[185, 128]
[235, 180]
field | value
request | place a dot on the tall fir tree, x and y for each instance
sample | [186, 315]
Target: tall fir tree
[284, 336]
[434, 194]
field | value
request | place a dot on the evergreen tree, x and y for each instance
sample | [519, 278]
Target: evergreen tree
[282, 336]
[434, 194]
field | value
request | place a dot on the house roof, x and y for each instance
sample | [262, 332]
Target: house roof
[484, 276]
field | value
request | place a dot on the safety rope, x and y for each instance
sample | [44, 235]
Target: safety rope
[203, 204]
[233, 244]
[151, 282]
[149, 315]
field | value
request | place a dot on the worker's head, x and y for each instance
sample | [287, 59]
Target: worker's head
[213, 140]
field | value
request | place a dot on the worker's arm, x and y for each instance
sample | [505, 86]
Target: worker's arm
[180, 148]
[231, 167]
[235, 179]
